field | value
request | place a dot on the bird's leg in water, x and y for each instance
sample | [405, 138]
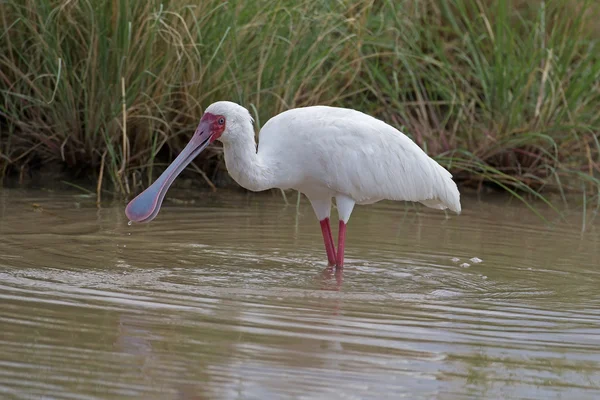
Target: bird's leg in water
[341, 244]
[328, 239]
[322, 209]
[345, 205]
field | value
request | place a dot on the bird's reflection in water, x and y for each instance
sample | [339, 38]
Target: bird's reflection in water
[332, 278]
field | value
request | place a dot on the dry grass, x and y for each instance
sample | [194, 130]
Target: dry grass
[502, 92]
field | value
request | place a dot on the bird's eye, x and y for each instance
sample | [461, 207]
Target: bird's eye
[221, 121]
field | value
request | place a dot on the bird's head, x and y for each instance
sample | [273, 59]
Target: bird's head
[226, 121]
[223, 121]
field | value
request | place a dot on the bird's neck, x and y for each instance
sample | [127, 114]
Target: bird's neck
[244, 164]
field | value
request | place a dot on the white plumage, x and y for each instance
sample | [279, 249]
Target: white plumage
[327, 152]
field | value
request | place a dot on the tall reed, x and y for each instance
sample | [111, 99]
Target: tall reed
[500, 91]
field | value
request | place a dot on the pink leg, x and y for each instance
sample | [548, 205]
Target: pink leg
[341, 245]
[328, 239]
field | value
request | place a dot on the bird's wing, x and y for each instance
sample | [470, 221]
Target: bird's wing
[370, 160]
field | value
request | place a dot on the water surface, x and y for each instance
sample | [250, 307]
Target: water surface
[228, 297]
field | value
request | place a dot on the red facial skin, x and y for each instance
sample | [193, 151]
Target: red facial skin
[216, 125]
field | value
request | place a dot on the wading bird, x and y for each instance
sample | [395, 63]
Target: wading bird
[323, 152]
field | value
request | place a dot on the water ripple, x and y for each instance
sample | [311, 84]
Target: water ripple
[230, 298]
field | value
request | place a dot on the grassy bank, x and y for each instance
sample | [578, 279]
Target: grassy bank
[499, 91]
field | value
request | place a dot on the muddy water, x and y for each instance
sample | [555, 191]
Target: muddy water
[228, 297]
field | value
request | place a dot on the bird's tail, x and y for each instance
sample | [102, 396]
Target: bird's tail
[447, 194]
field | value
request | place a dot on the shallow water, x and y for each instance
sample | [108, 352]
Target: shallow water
[228, 297]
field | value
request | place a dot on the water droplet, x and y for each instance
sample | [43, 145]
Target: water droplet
[129, 223]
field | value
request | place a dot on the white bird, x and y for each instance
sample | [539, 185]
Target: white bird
[323, 152]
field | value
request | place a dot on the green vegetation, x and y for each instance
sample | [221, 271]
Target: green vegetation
[499, 91]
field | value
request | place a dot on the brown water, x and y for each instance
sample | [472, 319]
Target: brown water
[229, 298]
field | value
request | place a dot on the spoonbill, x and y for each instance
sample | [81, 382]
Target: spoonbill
[323, 152]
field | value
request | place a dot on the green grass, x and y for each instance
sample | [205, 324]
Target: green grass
[499, 91]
